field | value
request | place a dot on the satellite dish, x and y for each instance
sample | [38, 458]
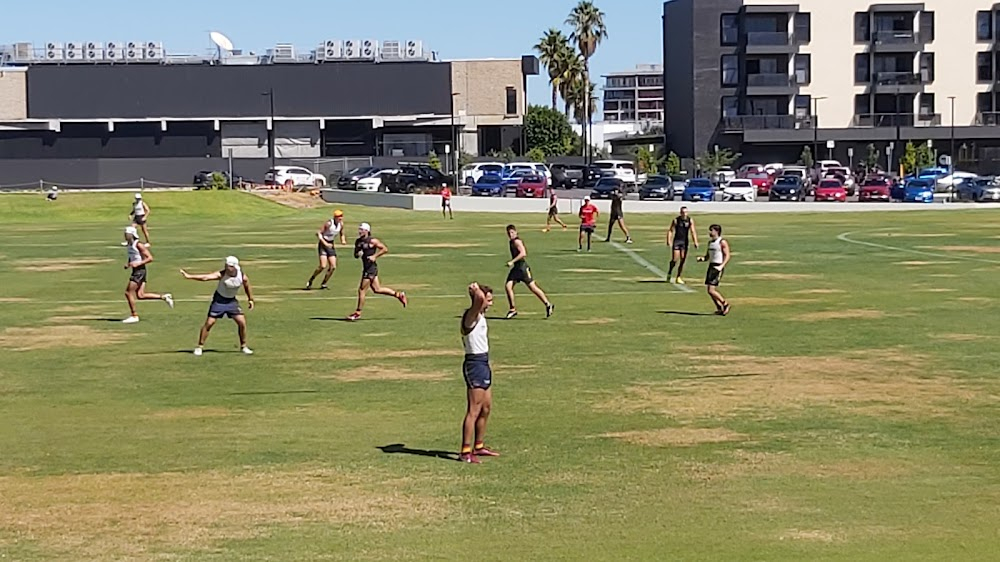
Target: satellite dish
[221, 41]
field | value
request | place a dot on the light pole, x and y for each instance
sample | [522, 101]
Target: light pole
[816, 127]
[453, 164]
[271, 133]
[951, 154]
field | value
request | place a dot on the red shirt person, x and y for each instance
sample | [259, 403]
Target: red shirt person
[446, 203]
[588, 222]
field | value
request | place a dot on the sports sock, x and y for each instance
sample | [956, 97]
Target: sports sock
[466, 448]
[480, 445]
[671, 270]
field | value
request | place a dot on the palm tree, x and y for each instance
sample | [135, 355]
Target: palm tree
[587, 22]
[552, 51]
[577, 94]
[572, 77]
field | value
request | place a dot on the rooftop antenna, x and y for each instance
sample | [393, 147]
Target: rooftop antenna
[222, 43]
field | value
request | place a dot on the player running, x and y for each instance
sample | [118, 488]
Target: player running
[588, 222]
[224, 302]
[681, 229]
[140, 215]
[718, 257]
[521, 273]
[138, 257]
[553, 212]
[369, 250]
[617, 217]
[477, 374]
[331, 230]
[446, 203]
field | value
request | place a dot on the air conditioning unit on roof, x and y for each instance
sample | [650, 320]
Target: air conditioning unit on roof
[391, 50]
[369, 49]
[352, 49]
[153, 51]
[53, 52]
[134, 51]
[414, 50]
[332, 49]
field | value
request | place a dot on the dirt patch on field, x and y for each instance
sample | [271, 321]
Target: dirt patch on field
[595, 321]
[411, 256]
[585, 270]
[448, 246]
[355, 354]
[765, 262]
[963, 337]
[821, 292]
[922, 263]
[780, 276]
[856, 314]
[192, 413]
[76, 517]
[677, 436]
[293, 200]
[934, 290]
[13, 299]
[376, 373]
[969, 249]
[770, 301]
[58, 264]
[48, 337]
[811, 536]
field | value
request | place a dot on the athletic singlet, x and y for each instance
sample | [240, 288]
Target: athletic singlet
[134, 255]
[476, 342]
[553, 205]
[682, 229]
[137, 209]
[715, 256]
[616, 205]
[364, 249]
[514, 252]
[331, 230]
[229, 287]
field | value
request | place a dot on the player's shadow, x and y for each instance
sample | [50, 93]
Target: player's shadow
[657, 281]
[401, 449]
[685, 313]
[108, 320]
[347, 320]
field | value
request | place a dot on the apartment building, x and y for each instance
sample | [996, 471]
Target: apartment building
[766, 79]
[634, 95]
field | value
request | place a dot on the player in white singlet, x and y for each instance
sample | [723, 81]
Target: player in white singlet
[140, 215]
[331, 231]
[478, 375]
[231, 279]
[137, 258]
[717, 257]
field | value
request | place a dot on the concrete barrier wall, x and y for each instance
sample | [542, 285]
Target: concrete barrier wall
[389, 200]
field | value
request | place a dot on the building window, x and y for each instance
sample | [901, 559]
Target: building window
[984, 67]
[730, 106]
[926, 67]
[984, 102]
[803, 69]
[862, 104]
[803, 27]
[511, 101]
[984, 26]
[862, 68]
[927, 26]
[926, 104]
[730, 70]
[862, 27]
[802, 106]
[729, 32]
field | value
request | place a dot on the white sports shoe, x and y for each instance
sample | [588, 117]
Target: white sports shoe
[247, 351]
[130, 320]
[197, 352]
[169, 300]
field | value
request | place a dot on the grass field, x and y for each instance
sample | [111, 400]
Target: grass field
[847, 409]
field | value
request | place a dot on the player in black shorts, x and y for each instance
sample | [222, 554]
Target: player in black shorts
[717, 256]
[553, 212]
[521, 273]
[369, 249]
[617, 217]
[681, 229]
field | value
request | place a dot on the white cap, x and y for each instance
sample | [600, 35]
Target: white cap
[138, 196]
[55, 188]
[586, 198]
[365, 226]
[231, 261]
[131, 230]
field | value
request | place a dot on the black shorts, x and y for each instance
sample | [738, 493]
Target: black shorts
[139, 219]
[681, 246]
[369, 272]
[330, 252]
[476, 371]
[553, 212]
[588, 228]
[138, 275]
[713, 276]
[520, 273]
[221, 306]
[615, 217]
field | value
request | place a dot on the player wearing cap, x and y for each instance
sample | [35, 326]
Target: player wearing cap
[588, 222]
[140, 215]
[331, 230]
[446, 203]
[138, 257]
[224, 302]
[477, 374]
[369, 249]
[53, 194]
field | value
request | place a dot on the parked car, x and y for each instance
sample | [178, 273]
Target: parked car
[944, 184]
[699, 189]
[775, 168]
[788, 188]
[606, 187]
[896, 189]
[978, 189]
[845, 177]
[567, 176]
[820, 168]
[471, 173]
[203, 179]
[802, 173]
[680, 182]
[376, 181]
[725, 175]
[739, 190]
[591, 175]
[918, 191]
[532, 185]
[513, 177]
[299, 176]
[417, 178]
[488, 185]
[747, 169]
[349, 179]
[762, 181]
[622, 169]
[874, 189]
[657, 187]
[831, 190]
[535, 167]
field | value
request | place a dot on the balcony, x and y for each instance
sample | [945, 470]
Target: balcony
[762, 122]
[896, 41]
[770, 42]
[988, 118]
[879, 120]
[770, 84]
[898, 82]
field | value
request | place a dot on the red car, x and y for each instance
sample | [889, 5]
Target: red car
[532, 186]
[747, 169]
[762, 181]
[874, 189]
[831, 190]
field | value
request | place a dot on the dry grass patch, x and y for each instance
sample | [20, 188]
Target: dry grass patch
[976, 299]
[586, 270]
[677, 436]
[934, 290]
[771, 301]
[780, 276]
[192, 413]
[815, 535]
[922, 263]
[412, 256]
[448, 245]
[48, 337]
[595, 321]
[293, 200]
[355, 354]
[963, 337]
[717, 347]
[377, 335]
[855, 314]
[58, 264]
[765, 262]
[820, 292]
[377, 373]
[14, 299]
[970, 249]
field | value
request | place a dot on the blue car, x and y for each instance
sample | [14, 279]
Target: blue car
[512, 177]
[699, 189]
[488, 185]
[918, 191]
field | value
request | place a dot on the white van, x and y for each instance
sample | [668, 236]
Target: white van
[624, 170]
[472, 172]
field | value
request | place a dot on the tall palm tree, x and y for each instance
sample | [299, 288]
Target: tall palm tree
[577, 98]
[552, 51]
[587, 22]
[571, 77]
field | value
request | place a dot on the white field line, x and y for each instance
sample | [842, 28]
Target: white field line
[846, 237]
[652, 268]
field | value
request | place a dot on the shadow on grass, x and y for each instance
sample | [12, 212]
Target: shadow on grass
[401, 449]
[108, 320]
[733, 376]
[349, 321]
[684, 313]
[657, 281]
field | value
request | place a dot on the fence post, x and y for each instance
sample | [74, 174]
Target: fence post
[41, 186]
[142, 184]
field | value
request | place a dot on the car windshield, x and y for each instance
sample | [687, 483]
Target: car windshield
[657, 180]
[531, 178]
[919, 184]
[758, 176]
[700, 183]
[490, 178]
[359, 171]
[608, 182]
[742, 183]
[787, 181]
[491, 169]
[829, 183]
[604, 165]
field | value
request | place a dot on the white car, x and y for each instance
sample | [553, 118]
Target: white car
[947, 182]
[725, 175]
[299, 176]
[374, 182]
[739, 190]
[775, 169]
[472, 172]
[622, 169]
[536, 166]
[821, 167]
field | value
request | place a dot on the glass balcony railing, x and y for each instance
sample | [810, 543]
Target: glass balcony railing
[768, 38]
[896, 37]
[768, 80]
[760, 122]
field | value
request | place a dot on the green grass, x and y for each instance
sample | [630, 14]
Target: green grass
[867, 431]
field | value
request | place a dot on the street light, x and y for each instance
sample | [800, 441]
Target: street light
[457, 150]
[951, 154]
[271, 133]
[816, 126]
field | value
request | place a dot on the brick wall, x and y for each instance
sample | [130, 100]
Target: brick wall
[482, 90]
[13, 95]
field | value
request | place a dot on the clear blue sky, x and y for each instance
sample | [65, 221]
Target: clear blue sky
[455, 28]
